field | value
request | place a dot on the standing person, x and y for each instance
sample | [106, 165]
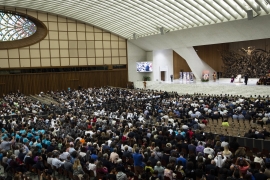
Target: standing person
[246, 79]
[214, 76]
[144, 84]
[171, 78]
[138, 161]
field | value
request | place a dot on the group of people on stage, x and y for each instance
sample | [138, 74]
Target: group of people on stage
[264, 80]
[239, 78]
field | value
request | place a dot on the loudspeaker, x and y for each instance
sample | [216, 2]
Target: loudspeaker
[249, 14]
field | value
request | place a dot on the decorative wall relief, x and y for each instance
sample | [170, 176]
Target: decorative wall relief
[251, 61]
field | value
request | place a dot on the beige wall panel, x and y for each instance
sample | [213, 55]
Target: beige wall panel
[52, 18]
[72, 27]
[46, 62]
[89, 28]
[90, 36]
[45, 53]
[115, 60]
[90, 44]
[63, 44]
[64, 53]
[123, 60]
[53, 26]
[34, 53]
[10, 8]
[62, 19]
[44, 44]
[71, 20]
[18, 10]
[13, 53]
[73, 53]
[122, 44]
[54, 44]
[24, 53]
[82, 61]
[42, 17]
[82, 53]
[64, 61]
[73, 44]
[91, 53]
[121, 39]
[82, 44]
[122, 52]
[99, 61]
[25, 62]
[62, 26]
[47, 35]
[35, 46]
[81, 27]
[99, 52]
[81, 35]
[4, 53]
[54, 52]
[53, 35]
[106, 36]
[91, 61]
[97, 29]
[14, 63]
[107, 53]
[32, 13]
[115, 52]
[55, 62]
[107, 44]
[107, 60]
[98, 44]
[63, 35]
[4, 63]
[74, 61]
[114, 44]
[98, 36]
[35, 63]
[72, 35]
[114, 37]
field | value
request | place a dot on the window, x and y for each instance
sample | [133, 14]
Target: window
[15, 27]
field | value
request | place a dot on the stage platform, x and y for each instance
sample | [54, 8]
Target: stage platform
[221, 86]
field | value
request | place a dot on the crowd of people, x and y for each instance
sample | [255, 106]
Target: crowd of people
[122, 134]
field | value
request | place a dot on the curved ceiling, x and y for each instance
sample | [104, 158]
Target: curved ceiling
[139, 18]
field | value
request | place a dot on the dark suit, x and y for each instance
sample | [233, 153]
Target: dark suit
[246, 79]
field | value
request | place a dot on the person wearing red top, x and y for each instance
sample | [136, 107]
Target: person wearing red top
[190, 133]
[243, 165]
[94, 119]
[204, 121]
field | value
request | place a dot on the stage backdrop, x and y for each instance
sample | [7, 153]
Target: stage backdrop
[235, 58]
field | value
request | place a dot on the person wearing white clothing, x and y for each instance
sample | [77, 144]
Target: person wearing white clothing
[220, 159]
[56, 162]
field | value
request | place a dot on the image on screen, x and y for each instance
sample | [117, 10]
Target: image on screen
[144, 67]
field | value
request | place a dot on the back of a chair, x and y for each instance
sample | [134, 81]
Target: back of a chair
[75, 177]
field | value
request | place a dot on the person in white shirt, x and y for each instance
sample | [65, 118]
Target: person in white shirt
[220, 159]
[64, 155]
[49, 159]
[208, 150]
[56, 162]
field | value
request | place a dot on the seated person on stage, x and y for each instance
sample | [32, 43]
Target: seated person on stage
[238, 79]
[259, 82]
[232, 79]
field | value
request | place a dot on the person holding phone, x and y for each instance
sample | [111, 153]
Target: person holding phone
[242, 164]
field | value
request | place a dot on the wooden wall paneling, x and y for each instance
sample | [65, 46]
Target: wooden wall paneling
[35, 83]
[179, 64]
[258, 44]
[210, 54]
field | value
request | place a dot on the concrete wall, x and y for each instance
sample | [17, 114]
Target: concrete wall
[162, 61]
